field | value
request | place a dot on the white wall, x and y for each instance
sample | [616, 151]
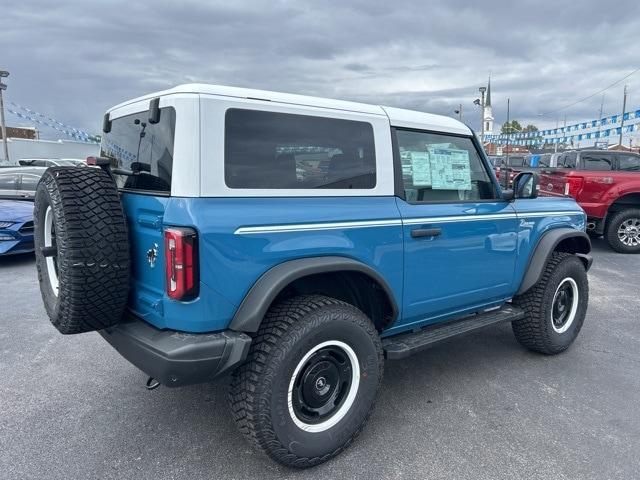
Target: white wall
[23, 148]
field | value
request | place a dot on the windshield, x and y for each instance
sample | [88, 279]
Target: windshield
[143, 151]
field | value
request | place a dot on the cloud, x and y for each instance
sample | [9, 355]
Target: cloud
[75, 59]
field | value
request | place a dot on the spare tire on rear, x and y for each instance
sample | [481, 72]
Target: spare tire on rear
[82, 249]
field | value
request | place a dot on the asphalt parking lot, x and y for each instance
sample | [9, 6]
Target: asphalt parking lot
[479, 407]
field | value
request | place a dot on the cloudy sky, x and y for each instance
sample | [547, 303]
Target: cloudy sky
[74, 59]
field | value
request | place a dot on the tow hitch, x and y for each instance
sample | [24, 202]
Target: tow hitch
[152, 383]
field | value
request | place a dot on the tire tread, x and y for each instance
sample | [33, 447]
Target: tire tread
[246, 406]
[93, 249]
[532, 330]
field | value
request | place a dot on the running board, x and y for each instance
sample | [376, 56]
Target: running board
[405, 344]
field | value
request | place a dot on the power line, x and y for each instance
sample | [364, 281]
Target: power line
[590, 96]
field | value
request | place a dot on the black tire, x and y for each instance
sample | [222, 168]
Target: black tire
[632, 245]
[90, 258]
[260, 389]
[537, 330]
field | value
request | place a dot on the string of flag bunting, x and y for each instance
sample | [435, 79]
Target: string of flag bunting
[561, 134]
[42, 119]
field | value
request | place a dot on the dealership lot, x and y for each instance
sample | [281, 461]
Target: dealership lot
[477, 407]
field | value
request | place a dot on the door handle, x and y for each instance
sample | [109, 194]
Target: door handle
[426, 232]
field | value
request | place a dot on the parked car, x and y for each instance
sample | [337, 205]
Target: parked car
[16, 227]
[52, 162]
[513, 164]
[495, 161]
[606, 184]
[548, 160]
[19, 182]
[295, 242]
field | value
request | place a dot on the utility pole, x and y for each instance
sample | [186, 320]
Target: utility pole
[555, 150]
[624, 106]
[600, 116]
[3, 74]
[508, 128]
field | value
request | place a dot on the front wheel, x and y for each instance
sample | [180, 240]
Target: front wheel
[554, 307]
[623, 231]
[310, 380]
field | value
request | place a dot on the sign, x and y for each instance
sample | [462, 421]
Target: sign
[450, 169]
[420, 168]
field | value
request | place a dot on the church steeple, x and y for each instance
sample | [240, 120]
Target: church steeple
[488, 114]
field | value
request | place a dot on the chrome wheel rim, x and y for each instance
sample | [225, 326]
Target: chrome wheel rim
[564, 305]
[629, 232]
[323, 386]
[49, 241]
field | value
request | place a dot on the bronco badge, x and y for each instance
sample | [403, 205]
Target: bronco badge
[152, 255]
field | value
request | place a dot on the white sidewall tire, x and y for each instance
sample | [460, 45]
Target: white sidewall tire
[574, 305]
[349, 400]
[48, 242]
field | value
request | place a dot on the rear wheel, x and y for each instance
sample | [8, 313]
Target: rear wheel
[310, 380]
[554, 307]
[623, 231]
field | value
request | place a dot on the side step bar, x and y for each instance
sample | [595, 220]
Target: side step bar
[405, 344]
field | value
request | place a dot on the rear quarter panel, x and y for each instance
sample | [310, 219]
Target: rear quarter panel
[231, 261]
[552, 181]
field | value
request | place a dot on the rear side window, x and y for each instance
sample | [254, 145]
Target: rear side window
[598, 162]
[629, 163]
[545, 160]
[442, 168]
[142, 151]
[272, 150]
[517, 162]
[567, 160]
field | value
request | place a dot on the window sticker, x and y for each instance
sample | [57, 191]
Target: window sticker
[421, 168]
[450, 169]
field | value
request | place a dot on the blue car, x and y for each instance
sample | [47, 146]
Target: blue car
[16, 227]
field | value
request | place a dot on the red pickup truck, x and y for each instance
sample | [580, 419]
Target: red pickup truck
[606, 184]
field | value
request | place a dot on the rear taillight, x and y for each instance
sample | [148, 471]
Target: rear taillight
[181, 260]
[573, 186]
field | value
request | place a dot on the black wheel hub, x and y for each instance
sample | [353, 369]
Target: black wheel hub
[321, 385]
[562, 305]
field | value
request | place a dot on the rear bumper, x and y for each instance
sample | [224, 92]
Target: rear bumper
[176, 358]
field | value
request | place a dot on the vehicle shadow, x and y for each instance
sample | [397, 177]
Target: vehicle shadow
[424, 381]
[16, 260]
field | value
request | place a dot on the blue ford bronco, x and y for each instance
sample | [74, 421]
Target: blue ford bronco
[295, 243]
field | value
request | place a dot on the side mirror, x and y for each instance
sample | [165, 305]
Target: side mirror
[526, 185]
[508, 194]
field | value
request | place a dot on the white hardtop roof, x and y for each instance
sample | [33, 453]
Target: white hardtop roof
[398, 117]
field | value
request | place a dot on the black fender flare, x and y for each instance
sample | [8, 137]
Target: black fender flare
[581, 247]
[257, 301]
